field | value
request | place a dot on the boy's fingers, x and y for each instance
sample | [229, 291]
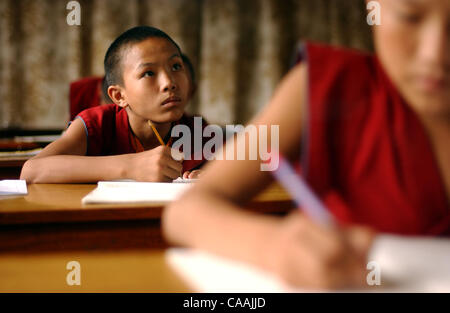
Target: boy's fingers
[171, 163]
[195, 174]
[329, 243]
[186, 174]
[360, 239]
[171, 173]
[309, 266]
[328, 254]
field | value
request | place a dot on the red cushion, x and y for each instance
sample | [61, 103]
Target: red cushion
[84, 93]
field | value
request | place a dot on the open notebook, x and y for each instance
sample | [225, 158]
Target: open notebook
[136, 192]
[410, 264]
[13, 187]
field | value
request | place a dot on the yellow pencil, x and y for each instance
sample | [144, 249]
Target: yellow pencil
[156, 133]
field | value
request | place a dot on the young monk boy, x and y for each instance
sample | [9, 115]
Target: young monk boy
[130, 138]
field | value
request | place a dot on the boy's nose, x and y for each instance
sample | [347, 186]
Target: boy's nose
[434, 45]
[170, 87]
[168, 83]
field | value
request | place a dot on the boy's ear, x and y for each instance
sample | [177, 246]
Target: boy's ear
[116, 93]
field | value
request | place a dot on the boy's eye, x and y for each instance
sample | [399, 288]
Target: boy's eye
[409, 15]
[148, 74]
[411, 18]
[177, 67]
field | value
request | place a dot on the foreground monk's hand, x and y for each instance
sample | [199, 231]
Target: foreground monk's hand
[305, 254]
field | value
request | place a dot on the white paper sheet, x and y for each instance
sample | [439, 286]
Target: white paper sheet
[410, 264]
[134, 192]
[11, 187]
[415, 264]
[205, 272]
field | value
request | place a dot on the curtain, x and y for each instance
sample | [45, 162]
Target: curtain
[240, 49]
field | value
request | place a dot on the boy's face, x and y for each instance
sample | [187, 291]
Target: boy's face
[413, 43]
[155, 82]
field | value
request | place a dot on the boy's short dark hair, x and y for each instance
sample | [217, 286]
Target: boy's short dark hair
[113, 57]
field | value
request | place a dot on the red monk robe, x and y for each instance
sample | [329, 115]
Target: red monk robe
[365, 152]
[108, 133]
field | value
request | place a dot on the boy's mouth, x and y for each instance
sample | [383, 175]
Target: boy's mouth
[171, 100]
[430, 84]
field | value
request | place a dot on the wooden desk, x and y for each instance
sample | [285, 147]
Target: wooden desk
[10, 167]
[101, 271]
[52, 218]
[11, 161]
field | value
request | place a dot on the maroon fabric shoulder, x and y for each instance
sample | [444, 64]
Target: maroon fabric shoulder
[367, 154]
[333, 95]
[108, 130]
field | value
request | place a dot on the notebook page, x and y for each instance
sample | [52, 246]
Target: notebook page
[13, 187]
[409, 264]
[134, 192]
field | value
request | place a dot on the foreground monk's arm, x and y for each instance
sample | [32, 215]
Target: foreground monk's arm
[210, 215]
[214, 200]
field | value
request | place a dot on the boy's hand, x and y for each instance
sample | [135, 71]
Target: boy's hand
[156, 165]
[192, 175]
[306, 254]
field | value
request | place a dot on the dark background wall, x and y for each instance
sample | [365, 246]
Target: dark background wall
[240, 49]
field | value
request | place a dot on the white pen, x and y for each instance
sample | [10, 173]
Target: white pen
[302, 194]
